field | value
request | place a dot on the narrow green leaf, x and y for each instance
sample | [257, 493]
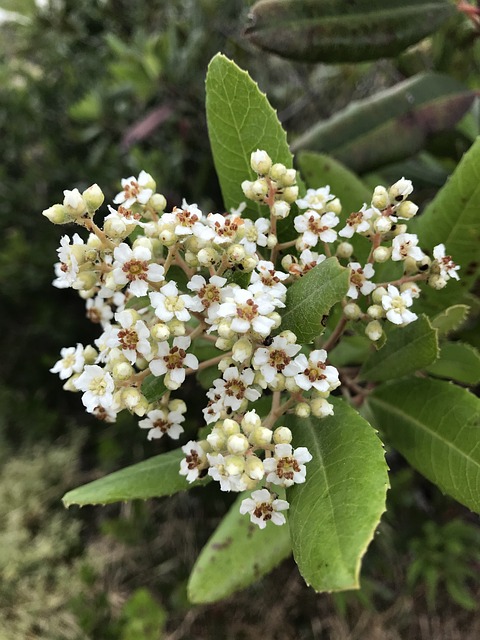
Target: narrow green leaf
[459, 362]
[404, 115]
[452, 219]
[153, 388]
[311, 298]
[152, 478]
[341, 31]
[406, 350]
[451, 319]
[334, 514]
[240, 120]
[435, 425]
[238, 554]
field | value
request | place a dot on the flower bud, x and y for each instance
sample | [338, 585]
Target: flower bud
[74, 204]
[259, 188]
[254, 468]
[247, 189]
[177, 327]
[278, 382]
[177, 404]
[234, 465]
[134, 401]
[90, 354]
[191, 259]
[376, 311]
[287, 262]
[380, 198]
[272, 241]
[406, 210]
[158, 202]
[282, 435]
[208, 257]
[289, 336]
[249, 263]
[224, 329]
[251, 420]
[167, 237]
[288, 178]
[242, 350]
[230, 427]
[93, 198]
[436, 281]
[160, 332]
[400, 190]
[236, 253]
[280, 209]
[116, 228]
[352, 311]
[237, 444]
[141, 241]
[321, 408]
[344, 250]
[122, 371]
[378, 294]
[85, 280]
[57, 214]
[291, 385]
[261, 436]
[224, 344]
[374, 330]
[217, 439]
[248, 482]
[382, 254]
[302, 410]
[277, 318]
[70, 383]
[169, 383]
[335, 206]
[290, 194]
[382, 224]
[260, 162]
[277, 171]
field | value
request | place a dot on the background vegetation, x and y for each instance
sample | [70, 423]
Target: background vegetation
[95, 90]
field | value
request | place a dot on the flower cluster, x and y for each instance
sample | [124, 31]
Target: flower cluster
[226, 307]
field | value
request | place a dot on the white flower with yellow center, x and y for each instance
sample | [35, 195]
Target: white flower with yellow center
[396, 305]
[173, 360]
[360, 280]
[315, 227]
[228, 474]
[162, 422]
[72, 361]
[132, 337]
[188, 221]
[133, 267]
[358, 221]
[169, 303]
[67, 269]
[135, 190]
[316, 199]
[315, 373]
[308, 260]
[265, 278]
[225, 227]
[254, 233]
[287, 467]
[263, 507]
[209, 294]
[97, 385]
[277, 358]
[97, 311]
[248, 312]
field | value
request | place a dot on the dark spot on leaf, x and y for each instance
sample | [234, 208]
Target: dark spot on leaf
[219, 546]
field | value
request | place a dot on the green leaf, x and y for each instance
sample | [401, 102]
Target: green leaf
[406, 350]
[350, 350]
[237, 554]
[311, 297]
[334, 514]
[341, 31]
[391, 125]
[459, 362]
[240, 120]
[435, 425]
[451, 319]
[153, 388]
[152, 478]
[452, 219]
[138, 303]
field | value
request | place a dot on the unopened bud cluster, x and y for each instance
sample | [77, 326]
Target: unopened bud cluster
[150, 324]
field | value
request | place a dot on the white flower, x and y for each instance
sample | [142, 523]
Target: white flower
[98, 311]
[308, 260]
[209, 294]
[248, 312]
[316, 199]
[173, 360]
[67, 269]
[234, 388]
[359, 222]
[277, 358]
[396, 303]
[360, 280]
[132, 338]
[188, 221]
[133, 266]
[169, 304]
[405, 246]
[120, 223]
[225, 227]
[97, 385]
[72, 361]
[287, 466]
[218, 470]
[313, 226]
[161, 422]
[262, 507]
[195, 461]
[400, 190]
[135, 190]
[315, 373]
[254, 233]
[448, 268]
[267, 279]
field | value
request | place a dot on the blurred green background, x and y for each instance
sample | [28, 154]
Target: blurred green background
[95, 90]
